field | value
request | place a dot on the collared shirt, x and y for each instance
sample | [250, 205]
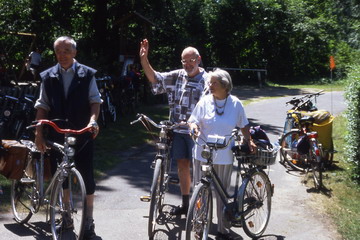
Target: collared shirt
[182, 91]
[67, 76]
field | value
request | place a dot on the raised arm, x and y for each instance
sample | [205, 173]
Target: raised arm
[148, 70]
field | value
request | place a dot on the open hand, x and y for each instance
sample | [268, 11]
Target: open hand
[144, 48]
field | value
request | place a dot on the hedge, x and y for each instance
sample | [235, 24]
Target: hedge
[352, 138]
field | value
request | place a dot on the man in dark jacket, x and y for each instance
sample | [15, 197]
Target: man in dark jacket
[69, 91]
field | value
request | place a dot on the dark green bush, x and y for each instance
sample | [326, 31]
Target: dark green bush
[352, 138]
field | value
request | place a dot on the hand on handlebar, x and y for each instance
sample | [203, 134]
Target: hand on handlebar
[95, 128]
[194, 130]
[252, 146]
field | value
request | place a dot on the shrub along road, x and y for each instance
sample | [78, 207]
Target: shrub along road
[119, 214]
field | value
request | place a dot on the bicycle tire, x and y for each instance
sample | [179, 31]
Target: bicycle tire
[156, 197]
[199, 216]
[290, 156]
[317, 167]
[255, 203]
[102, 116]
[21, 196]
[76, 207]
[111, 110]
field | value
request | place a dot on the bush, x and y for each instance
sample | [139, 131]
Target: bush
[352, 95]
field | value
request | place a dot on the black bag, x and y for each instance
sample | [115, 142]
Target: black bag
[260, 137]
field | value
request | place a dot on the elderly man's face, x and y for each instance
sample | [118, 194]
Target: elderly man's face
[190, 62]
[65, 53]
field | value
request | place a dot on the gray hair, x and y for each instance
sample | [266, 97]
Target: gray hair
[66, 39]
[223, 77]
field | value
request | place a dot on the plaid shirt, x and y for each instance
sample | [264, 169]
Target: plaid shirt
[183, 93]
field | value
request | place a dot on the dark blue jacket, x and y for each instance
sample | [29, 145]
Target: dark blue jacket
[76, 107]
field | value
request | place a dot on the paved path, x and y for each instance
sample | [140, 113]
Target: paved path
[119, 214]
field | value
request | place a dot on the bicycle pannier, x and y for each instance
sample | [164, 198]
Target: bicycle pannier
[12, 161]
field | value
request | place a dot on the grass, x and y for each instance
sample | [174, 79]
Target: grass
[335, 85]
[342, 199]
[120, 136]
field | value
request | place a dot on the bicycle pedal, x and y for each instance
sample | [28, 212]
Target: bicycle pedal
[27, 180]
[145, 198]
[174, 180]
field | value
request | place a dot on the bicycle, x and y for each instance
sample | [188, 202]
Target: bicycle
[306, 106]
[161, 166]
[107, 108]
[249, 206]
[309, 155]
[67, 203]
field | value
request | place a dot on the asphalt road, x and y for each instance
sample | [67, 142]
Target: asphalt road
[119, 214]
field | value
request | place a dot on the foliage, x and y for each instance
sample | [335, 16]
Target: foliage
[290, 38]
[353, 117]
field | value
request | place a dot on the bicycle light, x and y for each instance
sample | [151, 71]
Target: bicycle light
[70, 152]
[71, 140]
[205, 153]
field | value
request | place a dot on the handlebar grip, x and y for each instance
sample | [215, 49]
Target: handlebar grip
[135, 121]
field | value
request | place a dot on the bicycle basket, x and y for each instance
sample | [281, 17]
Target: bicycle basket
[262, 157]
[265, 157]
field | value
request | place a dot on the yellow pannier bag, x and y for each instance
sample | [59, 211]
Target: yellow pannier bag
[324, 130]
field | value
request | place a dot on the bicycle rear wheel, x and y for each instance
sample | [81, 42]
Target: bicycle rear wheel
[198, 219]
[23, 195]
[255, 203]
[289, 154]
[317, 166]
[68, 207]
[21, 202]
[157, 196]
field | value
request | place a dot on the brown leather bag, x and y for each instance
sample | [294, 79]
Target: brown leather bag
[13, 159]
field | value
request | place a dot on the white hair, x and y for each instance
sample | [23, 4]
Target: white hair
[66, 39]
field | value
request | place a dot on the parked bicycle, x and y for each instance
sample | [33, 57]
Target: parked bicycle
[67, 202]
[249, 206]
[107, 108]
[306, 106]
[161, 166]
[301, 150]
[8, 105]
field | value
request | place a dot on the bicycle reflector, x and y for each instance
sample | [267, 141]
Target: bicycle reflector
[312, 135]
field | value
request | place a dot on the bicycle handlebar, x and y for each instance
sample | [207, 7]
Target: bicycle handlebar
[296, 101]
[234, 133]
[57, 129]
[142, 117]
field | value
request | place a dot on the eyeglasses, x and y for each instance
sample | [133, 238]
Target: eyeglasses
[192, 60]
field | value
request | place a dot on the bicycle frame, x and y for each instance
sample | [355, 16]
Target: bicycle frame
[248, 207]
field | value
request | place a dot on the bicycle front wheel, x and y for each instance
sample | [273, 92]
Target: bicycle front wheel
[289, 154]
[68, 207]
[198, 219]
[156, 196]
[255, 203]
